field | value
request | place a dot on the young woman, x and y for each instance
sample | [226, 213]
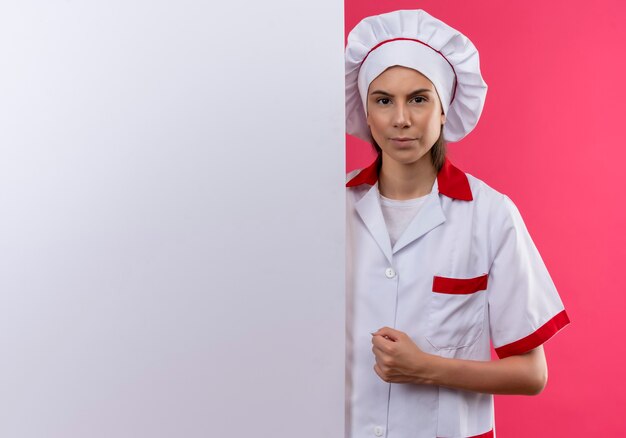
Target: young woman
[440, 265]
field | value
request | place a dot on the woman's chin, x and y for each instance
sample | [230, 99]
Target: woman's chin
[407, 156]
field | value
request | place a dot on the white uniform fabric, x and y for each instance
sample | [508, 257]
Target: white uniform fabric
[398, 214]
[464, 273]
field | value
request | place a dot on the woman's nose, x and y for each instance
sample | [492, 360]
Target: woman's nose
[400, 117]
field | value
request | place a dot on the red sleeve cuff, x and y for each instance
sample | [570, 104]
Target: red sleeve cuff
[535, 339]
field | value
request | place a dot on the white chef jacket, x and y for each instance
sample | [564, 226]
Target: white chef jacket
[463, 274]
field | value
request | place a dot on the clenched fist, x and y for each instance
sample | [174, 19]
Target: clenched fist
[398, 359]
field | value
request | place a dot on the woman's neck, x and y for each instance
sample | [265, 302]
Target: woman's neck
[406, 181]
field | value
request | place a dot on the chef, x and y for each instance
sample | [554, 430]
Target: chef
[439, 264]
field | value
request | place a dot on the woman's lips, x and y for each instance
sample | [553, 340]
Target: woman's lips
[402, 141]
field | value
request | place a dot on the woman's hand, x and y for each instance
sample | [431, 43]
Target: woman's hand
[398, 359]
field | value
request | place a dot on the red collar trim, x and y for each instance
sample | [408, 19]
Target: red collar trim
[451, 181]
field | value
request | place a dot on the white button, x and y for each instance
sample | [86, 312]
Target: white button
[390, 273]
[378, 431]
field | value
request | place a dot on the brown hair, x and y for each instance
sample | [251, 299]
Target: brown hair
[437, 152]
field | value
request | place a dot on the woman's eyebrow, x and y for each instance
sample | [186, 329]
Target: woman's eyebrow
[384, 93]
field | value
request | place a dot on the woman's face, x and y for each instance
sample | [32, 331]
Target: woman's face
[404, 114]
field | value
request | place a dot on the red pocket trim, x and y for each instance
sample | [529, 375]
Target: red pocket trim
[483, 435]
[459, 286]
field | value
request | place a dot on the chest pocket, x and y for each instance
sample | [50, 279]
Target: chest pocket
[456, 311]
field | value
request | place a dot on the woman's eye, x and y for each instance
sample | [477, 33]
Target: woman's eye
[419, 99]
[386, 100]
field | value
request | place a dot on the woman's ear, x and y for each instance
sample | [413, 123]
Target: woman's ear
[443, 118]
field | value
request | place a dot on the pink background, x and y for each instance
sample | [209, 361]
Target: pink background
[549, 137]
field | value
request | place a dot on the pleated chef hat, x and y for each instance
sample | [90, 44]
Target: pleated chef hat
[414, 39]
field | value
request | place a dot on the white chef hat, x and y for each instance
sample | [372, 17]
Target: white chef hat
[414, 39]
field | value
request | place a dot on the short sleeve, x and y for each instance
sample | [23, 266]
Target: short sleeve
[525, 309]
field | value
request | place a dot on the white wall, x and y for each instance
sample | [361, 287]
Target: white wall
[171, 223]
